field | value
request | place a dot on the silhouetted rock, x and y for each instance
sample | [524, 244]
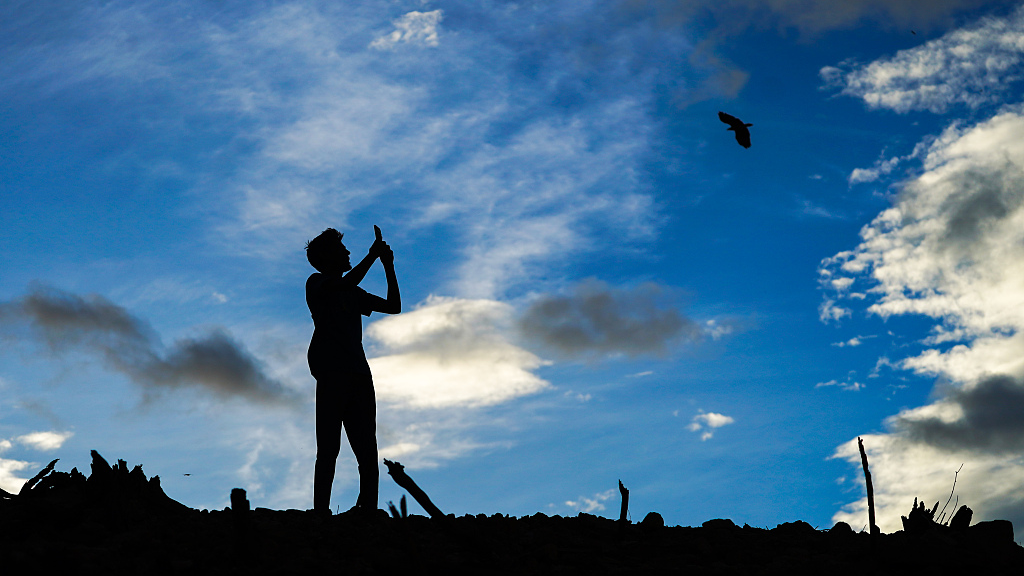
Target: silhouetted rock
[841, 529]
[720, 524]
[797, 528]
[993, 531]
[653, 521]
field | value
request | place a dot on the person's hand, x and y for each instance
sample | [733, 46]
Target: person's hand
[379, 246]
[387, 256]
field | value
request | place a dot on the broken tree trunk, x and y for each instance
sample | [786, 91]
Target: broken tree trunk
[397, 472]
[870, 489]
[625, 503]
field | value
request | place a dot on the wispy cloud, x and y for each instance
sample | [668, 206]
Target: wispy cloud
[66, 322]
[524, 164]
[847, 385]
[853, 342]
[971, 66]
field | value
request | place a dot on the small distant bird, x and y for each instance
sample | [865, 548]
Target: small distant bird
[738, 128]
[914, 33]
[186, 474]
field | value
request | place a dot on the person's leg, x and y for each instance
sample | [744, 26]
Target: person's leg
[361, 428]
[328, 442]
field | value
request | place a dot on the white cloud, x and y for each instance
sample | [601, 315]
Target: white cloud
[8, 480]
[949, 249]
[451, 352]
[593, 503]
[970, 66]
[412, 28]
[704, 422]
[44, 440]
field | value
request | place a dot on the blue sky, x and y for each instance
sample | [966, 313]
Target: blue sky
[600, 284]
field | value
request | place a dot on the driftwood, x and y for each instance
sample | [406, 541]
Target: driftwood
[962, 519]
[397, 472]
[870, 489]
[953, 489]
[625, 503]
[28, 486]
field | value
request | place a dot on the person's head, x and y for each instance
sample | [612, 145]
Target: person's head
[326, 252]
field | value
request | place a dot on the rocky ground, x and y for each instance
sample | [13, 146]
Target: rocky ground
[118, 521]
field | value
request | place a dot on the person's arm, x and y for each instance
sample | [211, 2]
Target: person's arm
[393, 303]
[358, 272]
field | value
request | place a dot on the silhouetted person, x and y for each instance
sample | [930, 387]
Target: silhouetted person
[344, 387]
[738, 128]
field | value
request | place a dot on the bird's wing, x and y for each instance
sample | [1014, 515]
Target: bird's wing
[743, 137]
[729, 119]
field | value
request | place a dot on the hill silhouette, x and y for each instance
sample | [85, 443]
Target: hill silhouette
[119, 521]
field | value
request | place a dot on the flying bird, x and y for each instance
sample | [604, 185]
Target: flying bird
[738, 128]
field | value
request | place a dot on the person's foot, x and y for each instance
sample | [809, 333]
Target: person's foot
[358, 512]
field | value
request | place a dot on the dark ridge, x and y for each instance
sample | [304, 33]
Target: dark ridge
[118, 521]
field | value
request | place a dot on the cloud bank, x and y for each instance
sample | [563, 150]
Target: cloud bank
[66, 322]
[595, 319]
[950, 249]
